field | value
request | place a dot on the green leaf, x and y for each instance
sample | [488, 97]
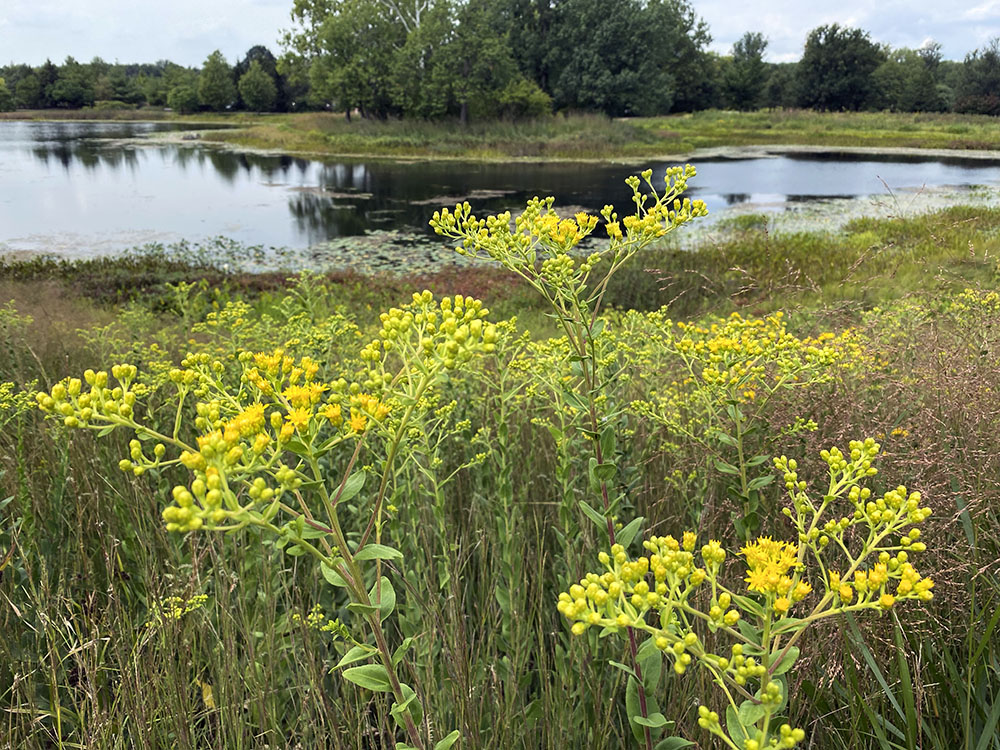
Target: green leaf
[388, 601]
[757, 460]
[378, 552]
[106, 431]
[906, 685]
[623, 667]
[445, 742]
[573, 400]
[331, 575]
[725, 439]
[758, 482]
[597, 328]
[370, 676]
[673, 743]
[632, 708]
[608, 441]
[356, 653]
[604, 472]
[736, 731]
[786, 661]
[650, 660]
[310, 533]
[297, 447]
[353, 485]
[626, 535]
[726, 468]
[593, 515]
[362, 609]
[750, 713]
[409, 705]
[749, 605]
[653, 721]
[401, 649]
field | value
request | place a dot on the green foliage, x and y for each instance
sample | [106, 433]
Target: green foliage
[835, 72]
[72, 88]
[257, 89]
[980, 81]
[183, 99]
[522, 98]
[216, 89]
[6, 97]
[746, 76]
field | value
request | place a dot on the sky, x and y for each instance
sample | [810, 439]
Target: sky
[186, 31]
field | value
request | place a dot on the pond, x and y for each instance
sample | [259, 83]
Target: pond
[78, 189]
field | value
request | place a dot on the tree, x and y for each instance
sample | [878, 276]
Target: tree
[72, 87]
[183, 98]
[979, 84]
[28, 93]
[835, 72]
[351, 57]
[478, 63]
[905, 83]
[257, 89]
[215, 83]
[679, 42]
[6, 98]
[48, 74]
[747, 74]
[782, 88]
[610, 57]
[269, 64]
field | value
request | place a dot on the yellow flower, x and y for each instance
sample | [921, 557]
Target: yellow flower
[358, 421]
[299, 418]
[333, 413]
[768, 561]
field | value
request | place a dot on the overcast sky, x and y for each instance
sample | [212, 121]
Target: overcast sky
[185, 31]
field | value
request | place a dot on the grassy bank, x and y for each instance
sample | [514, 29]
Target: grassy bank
[595, 137]
[572, 136]
[120, 634]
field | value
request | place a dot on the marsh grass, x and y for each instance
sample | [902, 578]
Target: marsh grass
[867, 262]
[591, 136]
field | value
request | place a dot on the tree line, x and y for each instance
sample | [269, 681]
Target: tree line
[483, 59]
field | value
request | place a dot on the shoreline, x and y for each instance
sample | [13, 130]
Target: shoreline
[713, 153]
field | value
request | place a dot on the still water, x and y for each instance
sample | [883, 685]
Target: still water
[82, 188]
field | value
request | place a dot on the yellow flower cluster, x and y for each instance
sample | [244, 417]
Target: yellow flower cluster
[768, 564]
[431, 335]
[654, 593]
[101, 402]
[174, 608]
[543, 247]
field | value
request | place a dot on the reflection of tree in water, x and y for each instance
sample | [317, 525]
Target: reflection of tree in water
[88, 155]
[227, 164]
[181, 157]
[732, 199]
[320, 219]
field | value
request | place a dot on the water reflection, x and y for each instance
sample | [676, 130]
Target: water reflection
[95, 180]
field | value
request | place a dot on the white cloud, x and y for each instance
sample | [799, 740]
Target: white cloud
[986, 11]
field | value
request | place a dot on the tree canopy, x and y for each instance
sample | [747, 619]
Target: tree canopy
[216, 89]
[836, 69]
